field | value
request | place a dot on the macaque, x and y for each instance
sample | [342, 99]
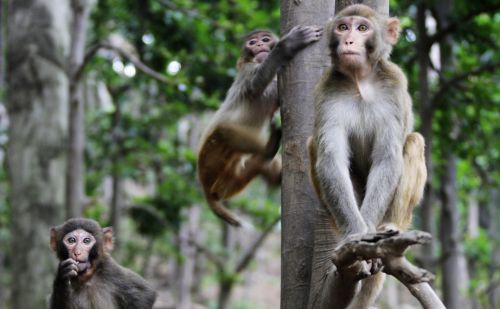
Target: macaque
[366, 166]
[234, 148]
[87, 277]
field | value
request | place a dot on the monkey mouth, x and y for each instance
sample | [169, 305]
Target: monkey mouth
[82, 266]
[350, 53]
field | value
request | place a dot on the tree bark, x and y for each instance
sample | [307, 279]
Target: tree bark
[76, 139]
[37, 99]
[296, 84]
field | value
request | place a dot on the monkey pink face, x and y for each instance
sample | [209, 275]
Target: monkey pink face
[79, 243]
[353, 34]
[260, 44]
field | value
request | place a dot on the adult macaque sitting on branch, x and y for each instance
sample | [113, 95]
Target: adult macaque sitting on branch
[87, 277]
[366, 166]
[233, 148]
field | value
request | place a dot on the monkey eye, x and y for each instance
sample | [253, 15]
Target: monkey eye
[266, 39]
[252, 42]
[363, 28]
[343, 27]
[71, 240]
[86, 240]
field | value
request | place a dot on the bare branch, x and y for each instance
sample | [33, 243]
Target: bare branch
[459, 22]
[447, 84]
[251, 250]
[219, 263]
[122, 52]
[389, 247]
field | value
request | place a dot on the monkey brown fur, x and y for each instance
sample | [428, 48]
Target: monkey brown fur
[366, 166]
[87, 276]
[233, 147]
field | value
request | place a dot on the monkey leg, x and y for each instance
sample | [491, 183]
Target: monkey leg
[411, 186]
[240, 138]
[370, 289]
[236, 177]
[271, 172]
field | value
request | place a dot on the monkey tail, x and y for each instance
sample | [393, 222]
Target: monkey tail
[223, 213]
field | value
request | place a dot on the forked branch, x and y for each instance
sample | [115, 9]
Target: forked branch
[389, 247]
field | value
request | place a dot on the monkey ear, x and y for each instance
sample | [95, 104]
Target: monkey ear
[107, 239]
[53, 239]
[392, 30]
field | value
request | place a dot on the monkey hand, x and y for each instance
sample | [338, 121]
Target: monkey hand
[68, 269]
[298, 38]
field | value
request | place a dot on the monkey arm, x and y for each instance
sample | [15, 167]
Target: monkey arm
[264, 73]
[335, 186]
[384, 176]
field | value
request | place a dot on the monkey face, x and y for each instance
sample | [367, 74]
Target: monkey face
[260, 45]
[79, 244]
[354, 35]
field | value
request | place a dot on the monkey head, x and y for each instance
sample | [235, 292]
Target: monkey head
[360, 37]
[82, 240]
[257, 46]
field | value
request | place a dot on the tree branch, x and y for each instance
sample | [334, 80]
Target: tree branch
[447, 84]
[457, 23]
[219, 263]
[249, 253]
[122, 52]
[389, 247]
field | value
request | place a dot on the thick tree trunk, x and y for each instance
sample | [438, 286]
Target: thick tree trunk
[299, 202]
[37, 98]
[76, 138]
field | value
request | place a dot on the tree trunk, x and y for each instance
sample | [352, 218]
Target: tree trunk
[296, 84]
[455, 275]
[76, 138]
[116, 155]
[224, 301]
[37, 98]
[188, 251]
[427, 115]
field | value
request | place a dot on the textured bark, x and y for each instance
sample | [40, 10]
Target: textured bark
[37, 98]
[76, 138]
[296, 84]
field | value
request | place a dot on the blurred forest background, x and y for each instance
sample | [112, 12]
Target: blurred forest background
[101, 107]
